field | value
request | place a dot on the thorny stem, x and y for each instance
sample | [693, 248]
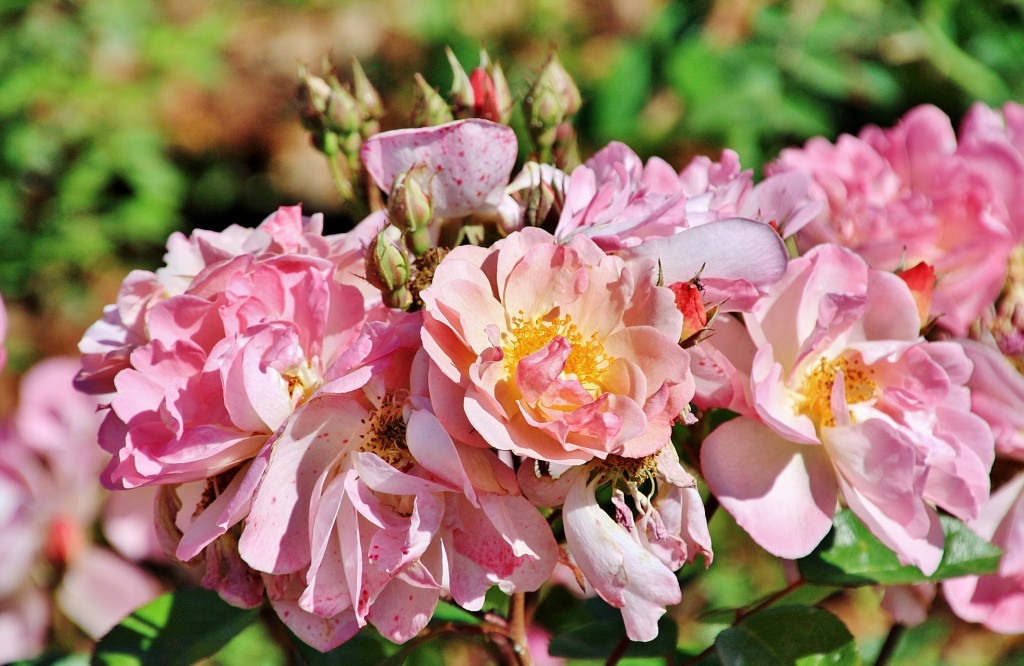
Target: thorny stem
[892, 640]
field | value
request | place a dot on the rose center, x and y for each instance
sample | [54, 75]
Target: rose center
[385, 435]
[302, 381]
[587, 360]
[816, 392]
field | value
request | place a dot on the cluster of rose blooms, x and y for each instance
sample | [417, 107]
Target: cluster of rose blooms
[479, 383]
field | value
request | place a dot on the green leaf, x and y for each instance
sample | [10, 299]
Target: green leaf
[597, 640]
[852, 556]
[801, 635]
[177, 628]
[449, 612]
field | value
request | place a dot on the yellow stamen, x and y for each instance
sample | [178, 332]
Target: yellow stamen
[817, 388]
[587, 361]
[302, 381]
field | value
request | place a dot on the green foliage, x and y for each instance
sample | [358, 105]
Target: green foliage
[85, 171]
[177, 628]
[599, 639]
[790, 635]
[852, 556]
[780, 74]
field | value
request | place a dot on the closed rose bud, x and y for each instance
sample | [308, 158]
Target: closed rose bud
[428, 107]
[366, 95]
[388, 267]
[343, 113]
[485, 103]
[409, 204]
[461, 93]
[503, 100]
[312, 98]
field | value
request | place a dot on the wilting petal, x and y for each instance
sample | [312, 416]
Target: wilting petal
[623, 572]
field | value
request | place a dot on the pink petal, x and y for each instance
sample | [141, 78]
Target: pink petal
[470, 162]
[623, 572]
[783, 494]
[275, 539]
[733, 249]
[100, 589]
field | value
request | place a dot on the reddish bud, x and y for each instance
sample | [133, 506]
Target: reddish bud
[485, 100]
[691, 304]
[921, 280]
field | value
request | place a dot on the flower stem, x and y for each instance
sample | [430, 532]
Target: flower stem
[892, 641]
[517, 628]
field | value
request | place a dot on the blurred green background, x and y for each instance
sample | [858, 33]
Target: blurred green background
[124, 120]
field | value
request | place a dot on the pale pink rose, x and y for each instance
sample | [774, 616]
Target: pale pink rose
[846, 402]
[996, 600]
[620, 202]
[60, 425]
[557, 352]
[997, 395]
[107, 345]
[631, 559]
[369, 512]
[226, 363]
[909, 194]
[23, 488]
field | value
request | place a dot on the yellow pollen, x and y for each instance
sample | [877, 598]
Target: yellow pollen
[385, 435]
[587, 360]
[302, 381]
[817, 388]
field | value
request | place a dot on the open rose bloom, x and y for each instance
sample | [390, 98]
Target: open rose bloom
[484, 378]
[841, 399]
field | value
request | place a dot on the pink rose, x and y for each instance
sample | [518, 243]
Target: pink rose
[620, 202]
[558, 352]
[844, 400]
[995, 138]
[226, 363]
[107, 345]
[909, 194]
[369, 512]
